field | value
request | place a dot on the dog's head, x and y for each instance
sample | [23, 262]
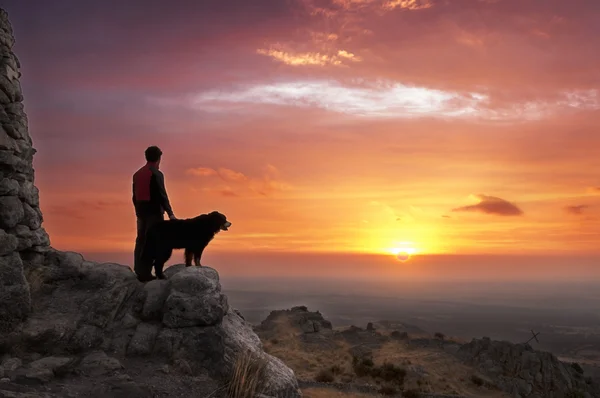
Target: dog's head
[218, 221]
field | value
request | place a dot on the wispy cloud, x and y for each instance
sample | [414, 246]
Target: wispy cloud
[310, 58]
[386, 99]
[576, 210]
[234, 183]
[491, 205]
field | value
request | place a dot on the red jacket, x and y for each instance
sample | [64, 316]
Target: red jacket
[149, 193]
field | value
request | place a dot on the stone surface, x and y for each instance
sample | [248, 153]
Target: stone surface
[11, 212]
[521, 371]
[20, 217]
[194, 299]
[97, 363]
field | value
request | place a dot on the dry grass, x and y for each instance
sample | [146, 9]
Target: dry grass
[248, 376]
[308, 360]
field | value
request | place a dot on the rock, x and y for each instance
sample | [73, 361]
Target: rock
[29, 193]
[31, 217]
[11, 212]
[34, 376]
[518, 369]
[11, 364]
[8, 243]
[194, 299]
[129, 321]
[8, 187]
[156, 293]
[97, 363]
[143, 340]
[182, 366]
[42, 371]
[51, 363]
[298, 318]
[11, 270]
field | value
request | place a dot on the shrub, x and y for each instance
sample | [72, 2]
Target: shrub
[390, 373]
[274, 341]
[439, 335]
[336, 369]
[325, 376]
[248, 376]
[362, 367]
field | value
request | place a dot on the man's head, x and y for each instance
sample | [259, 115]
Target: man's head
[153, 154]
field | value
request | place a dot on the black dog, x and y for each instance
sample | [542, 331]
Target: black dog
[192, 234]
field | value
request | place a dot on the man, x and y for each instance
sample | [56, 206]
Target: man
[150, 201]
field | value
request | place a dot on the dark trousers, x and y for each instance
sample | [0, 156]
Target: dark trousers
[143, 223]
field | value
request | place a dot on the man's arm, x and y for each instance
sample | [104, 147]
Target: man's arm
[160, 179]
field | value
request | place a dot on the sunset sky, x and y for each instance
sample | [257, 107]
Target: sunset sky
[442, 126]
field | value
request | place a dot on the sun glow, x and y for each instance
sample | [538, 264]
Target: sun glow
[403, 252]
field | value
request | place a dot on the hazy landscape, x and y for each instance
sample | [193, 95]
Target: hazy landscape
[566, 314]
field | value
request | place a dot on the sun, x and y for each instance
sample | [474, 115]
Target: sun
[404, 252]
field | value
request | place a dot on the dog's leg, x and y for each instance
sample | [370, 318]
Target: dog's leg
[198, 256]
[188, 257]
[159, 262]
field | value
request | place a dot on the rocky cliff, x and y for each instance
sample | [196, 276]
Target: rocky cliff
[62, 316]
[21, 230]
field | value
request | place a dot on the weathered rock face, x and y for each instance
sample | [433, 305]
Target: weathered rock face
[21, 228]
[82, 306]
[523, 372]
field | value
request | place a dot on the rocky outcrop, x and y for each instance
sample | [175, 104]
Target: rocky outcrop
[523, 372]
[21, 228]
[298, 319]
[83, 307]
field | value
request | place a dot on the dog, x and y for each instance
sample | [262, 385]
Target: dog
[192, 234]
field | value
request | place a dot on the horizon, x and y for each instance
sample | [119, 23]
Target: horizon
[326, 130]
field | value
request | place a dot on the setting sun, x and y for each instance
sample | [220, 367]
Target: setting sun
[403, 252]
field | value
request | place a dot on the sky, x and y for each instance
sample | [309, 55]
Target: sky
[447, 127]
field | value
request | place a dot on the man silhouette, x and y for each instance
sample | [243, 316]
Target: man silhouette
[150, 201]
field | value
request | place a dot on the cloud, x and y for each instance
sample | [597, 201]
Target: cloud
[491, 205]
[239, 184]
[594, 190]
[201, 172]
[383, 99]
[408, 4]
[310, 58]
[577, 210]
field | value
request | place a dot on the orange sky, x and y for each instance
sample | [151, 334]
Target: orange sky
[322, 125]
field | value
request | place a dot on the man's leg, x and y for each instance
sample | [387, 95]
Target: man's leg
[140, 239]
[150, 221]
